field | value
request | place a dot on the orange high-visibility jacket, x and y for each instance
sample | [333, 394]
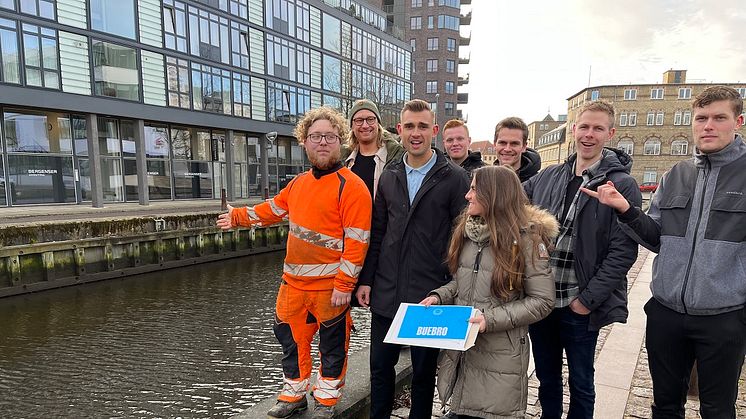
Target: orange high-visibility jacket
[329, 228]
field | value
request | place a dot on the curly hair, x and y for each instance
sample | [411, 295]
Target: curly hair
[327, 113]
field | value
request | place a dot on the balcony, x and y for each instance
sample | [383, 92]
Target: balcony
[464, 41]
[464, 60]
[463, 81]
[466, 19]
[462, 98]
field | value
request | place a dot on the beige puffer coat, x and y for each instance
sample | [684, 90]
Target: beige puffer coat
[489, 380]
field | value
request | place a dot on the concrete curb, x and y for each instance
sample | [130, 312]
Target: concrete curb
[355, 401]
[616, 363]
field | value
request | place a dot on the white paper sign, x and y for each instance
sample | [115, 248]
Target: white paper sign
[437, 326]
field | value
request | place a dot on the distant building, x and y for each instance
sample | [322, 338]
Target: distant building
[549, 145]
[135, 100]
[538, 128]
[653, 121]
[489, 153]
[431, 27]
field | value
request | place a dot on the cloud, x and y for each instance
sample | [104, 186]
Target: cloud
[531, 55]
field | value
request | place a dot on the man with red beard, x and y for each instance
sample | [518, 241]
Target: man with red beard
[511, 139]
[329, 211]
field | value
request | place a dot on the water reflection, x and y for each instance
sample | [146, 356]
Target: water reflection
[191, 342]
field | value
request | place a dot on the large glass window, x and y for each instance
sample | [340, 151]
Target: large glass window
[174, 25]
[450, 87]
[115, 71]
[280, 15]
[650, 175]
[8, 4]
[240, 166]
[192, 169]
[240, 45]
[211, 89]
[288, 60]
[242, 95]
[116, 17]
[9, 63]
[41, 8]
[652, 147]
[331, 33]
[40, 56]
[37, 132]
[40, 179]
[208, 35]
[332, 74]
[626, 145]
[240, 8]
[286, 103]
[187, 144]
[40, 168]
[679, 147]
[4, 185]
[451, 44]
[448, 22]
[177, 71]
[157, 144]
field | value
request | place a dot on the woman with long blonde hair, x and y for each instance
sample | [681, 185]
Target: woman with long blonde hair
[500, 264]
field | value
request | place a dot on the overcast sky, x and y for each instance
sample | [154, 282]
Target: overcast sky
[528, 57]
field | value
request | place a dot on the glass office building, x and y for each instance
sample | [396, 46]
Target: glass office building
[107, 101]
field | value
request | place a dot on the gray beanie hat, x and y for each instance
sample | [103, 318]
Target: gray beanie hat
[364, 104]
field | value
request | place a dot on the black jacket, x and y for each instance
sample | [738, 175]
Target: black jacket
[472, 162]
[603, 252]
[530, 164]
[408, 243]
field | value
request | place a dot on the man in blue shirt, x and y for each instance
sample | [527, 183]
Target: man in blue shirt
[417, 201]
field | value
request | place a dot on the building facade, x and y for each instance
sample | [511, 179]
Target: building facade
[538, 128]
[432, 29]
[488, 150]
[653, 122]
[109, 101]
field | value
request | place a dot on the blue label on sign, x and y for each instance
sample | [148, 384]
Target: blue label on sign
[435, 322]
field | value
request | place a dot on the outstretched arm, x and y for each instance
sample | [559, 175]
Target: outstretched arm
[643, 228]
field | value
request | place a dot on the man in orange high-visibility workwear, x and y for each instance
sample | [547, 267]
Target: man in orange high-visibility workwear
[329, 212]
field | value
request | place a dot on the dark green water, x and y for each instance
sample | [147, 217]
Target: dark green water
[188, 342]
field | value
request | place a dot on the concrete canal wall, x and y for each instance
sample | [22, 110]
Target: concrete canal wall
[35, 257]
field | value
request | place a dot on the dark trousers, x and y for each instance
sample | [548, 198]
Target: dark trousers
[564, 330]
[383, 359]
[674, 341]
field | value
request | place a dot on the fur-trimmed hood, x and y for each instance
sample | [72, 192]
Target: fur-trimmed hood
[542, 223]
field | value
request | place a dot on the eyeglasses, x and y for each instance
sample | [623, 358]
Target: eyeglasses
[370, 120]
[316, 138]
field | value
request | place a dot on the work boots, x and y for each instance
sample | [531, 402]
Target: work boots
[322, 412]
[283, 410]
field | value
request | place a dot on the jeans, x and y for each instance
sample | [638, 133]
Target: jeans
[564, 330]
[675, 340]
[383, 359]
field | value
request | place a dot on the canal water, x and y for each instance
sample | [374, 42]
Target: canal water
[187, 342]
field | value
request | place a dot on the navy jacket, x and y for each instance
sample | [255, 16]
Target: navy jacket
[408, 243]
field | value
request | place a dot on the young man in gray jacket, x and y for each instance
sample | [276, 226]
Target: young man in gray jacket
[697, 225]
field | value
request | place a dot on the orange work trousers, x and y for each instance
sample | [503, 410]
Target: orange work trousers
[299, 314]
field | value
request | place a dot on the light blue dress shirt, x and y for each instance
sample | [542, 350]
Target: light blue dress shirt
[416, 176]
